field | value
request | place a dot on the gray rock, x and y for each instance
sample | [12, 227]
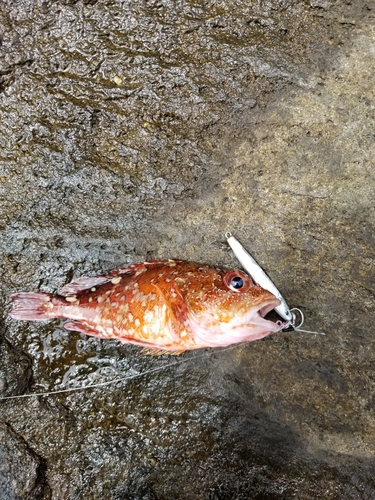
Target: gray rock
[15, 370]
[21, 471]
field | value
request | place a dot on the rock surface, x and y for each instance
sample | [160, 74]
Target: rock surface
[138, 130]
[21, 472]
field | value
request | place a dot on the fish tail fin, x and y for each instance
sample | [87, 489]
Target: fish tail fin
[33, 306]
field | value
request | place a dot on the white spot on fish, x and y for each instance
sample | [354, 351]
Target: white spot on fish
[116, 280]
[71, 299]
[148, 316]
[125, 308]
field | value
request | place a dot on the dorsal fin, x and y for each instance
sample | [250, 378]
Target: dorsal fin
[84, 283]
[81, 284]
[133, 268]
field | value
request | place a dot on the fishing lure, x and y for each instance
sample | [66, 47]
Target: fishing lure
[262, 279]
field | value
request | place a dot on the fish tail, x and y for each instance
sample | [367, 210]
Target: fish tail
[33, 306]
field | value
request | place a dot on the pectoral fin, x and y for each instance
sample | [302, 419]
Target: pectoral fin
[176, 311]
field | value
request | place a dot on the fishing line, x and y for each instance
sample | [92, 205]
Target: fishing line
[151, 370]
[297, 328]
[121, 379]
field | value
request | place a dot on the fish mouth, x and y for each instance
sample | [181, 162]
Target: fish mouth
[210, 331]
[261, 321]
[265, 309]
[267, 317]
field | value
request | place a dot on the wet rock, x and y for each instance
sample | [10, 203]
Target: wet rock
[21, 471]
[15, 370]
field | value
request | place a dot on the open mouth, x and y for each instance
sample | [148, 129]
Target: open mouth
[268, 308]
[259, 322]
[267, 317]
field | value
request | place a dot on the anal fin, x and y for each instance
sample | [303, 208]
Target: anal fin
[82, 327]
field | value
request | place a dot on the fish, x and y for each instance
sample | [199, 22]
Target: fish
[166, 306]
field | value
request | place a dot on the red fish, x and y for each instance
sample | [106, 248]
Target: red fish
[164, 306]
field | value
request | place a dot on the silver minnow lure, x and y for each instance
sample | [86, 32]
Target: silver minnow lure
[261, 278]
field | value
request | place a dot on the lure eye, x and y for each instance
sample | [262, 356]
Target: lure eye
[237, 281]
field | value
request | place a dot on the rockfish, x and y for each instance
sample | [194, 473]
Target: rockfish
[164, 306]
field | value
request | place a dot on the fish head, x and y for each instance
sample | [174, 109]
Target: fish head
[229, 308]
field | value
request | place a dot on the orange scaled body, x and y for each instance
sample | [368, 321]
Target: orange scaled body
[167, 306]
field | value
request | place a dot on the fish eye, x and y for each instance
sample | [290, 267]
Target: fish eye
[237, 281]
